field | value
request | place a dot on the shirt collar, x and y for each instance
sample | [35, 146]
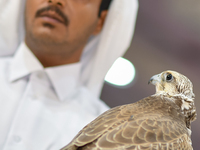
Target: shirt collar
[23, 63]
[64, 78]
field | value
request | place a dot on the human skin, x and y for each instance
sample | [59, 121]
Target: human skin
[58, 30]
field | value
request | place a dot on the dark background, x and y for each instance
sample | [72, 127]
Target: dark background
[167, 37]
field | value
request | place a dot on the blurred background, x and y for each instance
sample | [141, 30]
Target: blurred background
[167, 37]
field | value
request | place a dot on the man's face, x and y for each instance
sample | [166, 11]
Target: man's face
[61, 21]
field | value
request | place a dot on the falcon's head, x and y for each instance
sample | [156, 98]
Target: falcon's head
[179, 89]
[172, 83]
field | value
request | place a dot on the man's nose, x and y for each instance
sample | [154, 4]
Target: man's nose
[57, 2]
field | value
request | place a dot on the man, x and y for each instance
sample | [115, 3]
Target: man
[50, 87]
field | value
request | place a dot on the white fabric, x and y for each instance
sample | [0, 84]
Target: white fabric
[113, 41]
[42, 109]
[11, 25]
[101, 51]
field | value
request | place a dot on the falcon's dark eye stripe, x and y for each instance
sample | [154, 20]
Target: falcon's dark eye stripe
[169, 77]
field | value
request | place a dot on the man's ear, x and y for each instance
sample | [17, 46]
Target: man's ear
[100, 23]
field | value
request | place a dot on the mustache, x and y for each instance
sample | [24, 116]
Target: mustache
[55, 9]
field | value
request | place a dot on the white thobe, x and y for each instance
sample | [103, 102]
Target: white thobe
[42, 108]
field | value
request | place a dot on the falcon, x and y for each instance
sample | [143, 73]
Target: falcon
[158, 122]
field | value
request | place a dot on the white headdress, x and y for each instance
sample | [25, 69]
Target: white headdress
[100, 52]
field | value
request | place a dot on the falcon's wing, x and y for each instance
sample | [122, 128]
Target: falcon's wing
[133, 127]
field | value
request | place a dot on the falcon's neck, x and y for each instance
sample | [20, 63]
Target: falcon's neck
[186, 105]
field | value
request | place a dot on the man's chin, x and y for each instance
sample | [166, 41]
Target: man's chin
[48, 35]
[47, 40]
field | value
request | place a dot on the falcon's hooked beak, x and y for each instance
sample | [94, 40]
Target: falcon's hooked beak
[155, 79]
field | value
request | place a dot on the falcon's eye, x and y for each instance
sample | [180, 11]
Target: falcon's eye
[169, 77]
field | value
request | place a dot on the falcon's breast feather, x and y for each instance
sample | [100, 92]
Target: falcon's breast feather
[161, 121]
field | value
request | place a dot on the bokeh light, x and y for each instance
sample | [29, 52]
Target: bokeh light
[121, 73]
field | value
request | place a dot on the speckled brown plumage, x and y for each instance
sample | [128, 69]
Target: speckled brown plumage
[157, 122]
